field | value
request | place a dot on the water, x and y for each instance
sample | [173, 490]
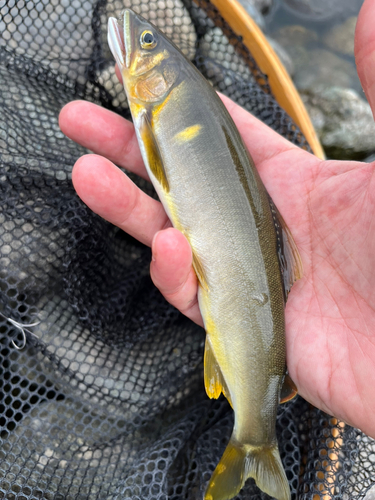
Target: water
[322, 20]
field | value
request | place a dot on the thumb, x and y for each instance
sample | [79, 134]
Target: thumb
[364, 50]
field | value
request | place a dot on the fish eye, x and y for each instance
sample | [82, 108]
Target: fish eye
[148, 40]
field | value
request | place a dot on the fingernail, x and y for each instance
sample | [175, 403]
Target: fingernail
[153, 247]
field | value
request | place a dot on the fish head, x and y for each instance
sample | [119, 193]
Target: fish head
[146, 58]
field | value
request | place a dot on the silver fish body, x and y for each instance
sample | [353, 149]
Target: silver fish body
[223, 210]
[213, 194]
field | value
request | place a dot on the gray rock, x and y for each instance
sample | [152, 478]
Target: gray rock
[343, 121]
[252, 10]
[341, 37]
[322, 67]
[283, 55]
[262, 6]
[313, 65]
[294, 34]
[319, 10]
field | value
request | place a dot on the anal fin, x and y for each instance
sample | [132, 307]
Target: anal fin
[289, 257]
[288, 390]
[213, 378]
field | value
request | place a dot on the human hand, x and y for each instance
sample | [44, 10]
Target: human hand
[328, 206]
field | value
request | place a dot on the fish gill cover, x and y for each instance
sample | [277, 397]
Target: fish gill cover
[102, 396]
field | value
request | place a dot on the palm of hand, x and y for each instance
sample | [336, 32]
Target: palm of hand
[330, 312]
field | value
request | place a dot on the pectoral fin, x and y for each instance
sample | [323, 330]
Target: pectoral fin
[288, 390]
[213, 378]
[154, 156]
[199, 271]
[289, 258]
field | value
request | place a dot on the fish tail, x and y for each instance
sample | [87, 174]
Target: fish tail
[239, 462]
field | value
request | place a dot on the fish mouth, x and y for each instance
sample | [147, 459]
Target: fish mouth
[120, 37]
[116, 41]
[121, 41]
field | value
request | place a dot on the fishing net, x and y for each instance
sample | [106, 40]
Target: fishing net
[101, 384]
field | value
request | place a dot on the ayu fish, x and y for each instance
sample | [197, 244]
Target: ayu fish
[243, 254]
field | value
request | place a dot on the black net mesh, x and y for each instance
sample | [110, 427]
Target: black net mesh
[102, 396]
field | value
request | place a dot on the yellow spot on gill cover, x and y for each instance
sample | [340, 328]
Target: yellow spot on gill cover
[188, 133]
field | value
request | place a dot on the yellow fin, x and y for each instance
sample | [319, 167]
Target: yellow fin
[213, 379]
[229, 476]
[240, 462]
[288, 390]
[198, 268]
[289, 257]
[153, 153]
[188, 133]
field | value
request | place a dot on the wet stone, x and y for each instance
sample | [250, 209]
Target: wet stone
[328, 69]
[283, 55]
[251, 8]
[294, 35]
[262, 6]
[322, 10]
[341, 37]
[343, 121]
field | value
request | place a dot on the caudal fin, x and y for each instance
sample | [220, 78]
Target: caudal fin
[241, 462]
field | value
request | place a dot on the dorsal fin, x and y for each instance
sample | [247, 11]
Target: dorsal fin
[213, 379]
[289, 257]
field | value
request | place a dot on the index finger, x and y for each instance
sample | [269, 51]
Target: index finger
[103, 132]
